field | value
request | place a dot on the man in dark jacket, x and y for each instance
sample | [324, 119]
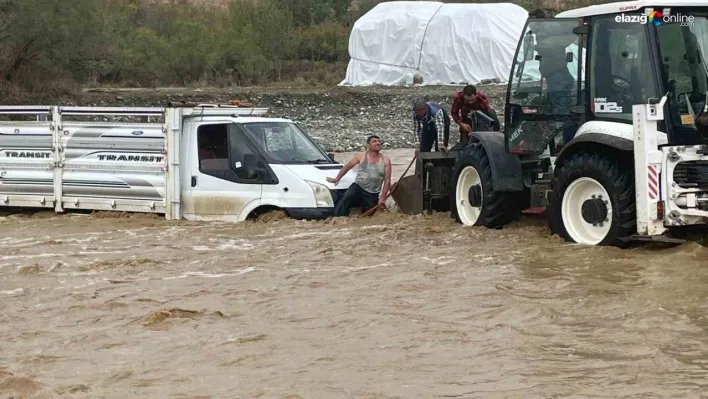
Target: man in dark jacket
[464, 102]
[431, 126]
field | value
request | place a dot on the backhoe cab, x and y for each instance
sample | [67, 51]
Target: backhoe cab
[598, 127]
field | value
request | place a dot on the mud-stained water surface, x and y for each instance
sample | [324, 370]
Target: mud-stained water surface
[391, 306]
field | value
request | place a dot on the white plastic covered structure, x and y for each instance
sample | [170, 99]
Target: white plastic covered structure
[448, 43]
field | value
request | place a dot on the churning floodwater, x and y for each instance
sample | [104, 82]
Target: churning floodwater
[392, 306]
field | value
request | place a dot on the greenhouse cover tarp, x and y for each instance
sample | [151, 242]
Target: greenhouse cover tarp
[447, 43]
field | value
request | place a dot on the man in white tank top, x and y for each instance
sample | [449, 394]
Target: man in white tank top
[374, 172]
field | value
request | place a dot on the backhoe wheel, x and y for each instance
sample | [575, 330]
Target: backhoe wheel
[475, 203]
[593, 201]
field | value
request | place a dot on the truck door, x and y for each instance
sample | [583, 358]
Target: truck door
[546, 83]
[224, 172]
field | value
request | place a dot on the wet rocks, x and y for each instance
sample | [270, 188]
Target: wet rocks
[339, 118]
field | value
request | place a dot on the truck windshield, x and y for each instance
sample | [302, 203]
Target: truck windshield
[285, 142]
[684, 55]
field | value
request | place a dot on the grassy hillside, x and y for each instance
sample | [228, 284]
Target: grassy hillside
[54, 46]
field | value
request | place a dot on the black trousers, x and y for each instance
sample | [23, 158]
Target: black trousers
[355, 196]
[429, 136]
[427, 141]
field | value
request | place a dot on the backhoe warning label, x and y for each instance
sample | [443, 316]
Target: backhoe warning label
[28, 154]
[130, 158]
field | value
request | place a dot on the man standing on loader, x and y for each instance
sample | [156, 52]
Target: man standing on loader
[431, 126]
[366, 191]
[464, 102]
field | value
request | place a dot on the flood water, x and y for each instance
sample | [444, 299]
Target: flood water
[392, 306]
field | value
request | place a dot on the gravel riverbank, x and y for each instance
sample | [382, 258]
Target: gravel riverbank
[340, 118]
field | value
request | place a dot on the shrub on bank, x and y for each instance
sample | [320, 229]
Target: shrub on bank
[56, 45]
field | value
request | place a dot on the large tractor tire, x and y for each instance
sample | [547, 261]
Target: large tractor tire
[474, 201]
[593, 201]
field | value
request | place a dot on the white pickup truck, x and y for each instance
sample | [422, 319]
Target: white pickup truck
[186, 161]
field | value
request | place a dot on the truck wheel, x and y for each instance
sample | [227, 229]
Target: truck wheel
[593, 201]
[475, 203]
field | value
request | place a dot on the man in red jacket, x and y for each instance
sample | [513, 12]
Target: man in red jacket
[466, 101]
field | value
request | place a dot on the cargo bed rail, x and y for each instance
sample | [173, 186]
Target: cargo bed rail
[187, 110]
[96, 157]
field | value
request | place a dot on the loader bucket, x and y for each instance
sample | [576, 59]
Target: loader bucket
[429, 188]
[408, 194]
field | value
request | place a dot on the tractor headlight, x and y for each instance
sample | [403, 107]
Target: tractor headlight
[323, 197]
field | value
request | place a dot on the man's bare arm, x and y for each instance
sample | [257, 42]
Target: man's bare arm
[349, 165]
[387, 180]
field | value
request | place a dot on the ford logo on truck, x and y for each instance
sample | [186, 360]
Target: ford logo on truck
[137, 132]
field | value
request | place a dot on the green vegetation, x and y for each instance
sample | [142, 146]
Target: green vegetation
[52, 46]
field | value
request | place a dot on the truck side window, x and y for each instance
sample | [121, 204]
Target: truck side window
[224, 152]
[243, 156]
[213, 148]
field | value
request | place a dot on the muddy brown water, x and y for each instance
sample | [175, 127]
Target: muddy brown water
[393, 306]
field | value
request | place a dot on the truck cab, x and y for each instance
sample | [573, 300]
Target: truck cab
[238, 166]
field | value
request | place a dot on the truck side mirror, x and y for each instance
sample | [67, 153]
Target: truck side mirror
[331, 156]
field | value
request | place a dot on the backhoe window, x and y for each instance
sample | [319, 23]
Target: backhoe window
[544, 86]
[684, 54]
[620, 70]
[546, 42]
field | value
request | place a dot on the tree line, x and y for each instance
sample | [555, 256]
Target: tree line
[58, 44]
